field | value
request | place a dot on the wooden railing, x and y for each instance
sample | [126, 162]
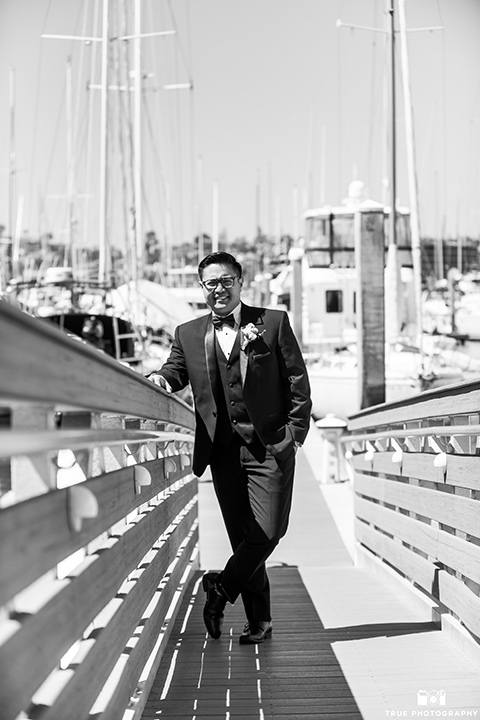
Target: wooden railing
[417, 494]
[98, 526]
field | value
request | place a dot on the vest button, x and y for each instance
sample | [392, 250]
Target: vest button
[234, 422]
[232, 402]
[230, 384]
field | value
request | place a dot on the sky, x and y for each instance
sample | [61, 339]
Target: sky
[286, 110]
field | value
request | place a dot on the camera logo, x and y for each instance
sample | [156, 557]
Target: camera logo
[431, 697]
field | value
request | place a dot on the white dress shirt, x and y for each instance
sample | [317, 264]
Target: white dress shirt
[226, 335]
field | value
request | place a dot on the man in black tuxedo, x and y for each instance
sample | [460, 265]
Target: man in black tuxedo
[252, 407]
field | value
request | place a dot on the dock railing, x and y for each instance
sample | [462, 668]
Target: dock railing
[98, 526]
[417, 498]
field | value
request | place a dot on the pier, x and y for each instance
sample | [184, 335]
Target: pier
[105, 533]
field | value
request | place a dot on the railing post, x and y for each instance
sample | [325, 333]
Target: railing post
[370, 264]
[333, 458]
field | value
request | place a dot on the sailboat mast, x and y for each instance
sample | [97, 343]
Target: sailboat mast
[11, 177]
[103, 256]
[70, 165]
[138, 262]
[412, 175]
[393, 135]
[392, 270]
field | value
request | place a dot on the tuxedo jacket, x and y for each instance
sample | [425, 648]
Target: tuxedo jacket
[276, 390]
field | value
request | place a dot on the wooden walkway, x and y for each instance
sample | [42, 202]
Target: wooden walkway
[346, 644]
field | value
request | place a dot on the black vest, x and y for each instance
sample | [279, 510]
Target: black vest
[232, 413]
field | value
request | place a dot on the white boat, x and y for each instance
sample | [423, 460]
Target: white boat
[452, 307]
[334, 374]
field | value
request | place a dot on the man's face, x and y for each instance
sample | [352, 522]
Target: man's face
[221, 300]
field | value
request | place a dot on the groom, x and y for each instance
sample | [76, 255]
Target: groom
[252, 407]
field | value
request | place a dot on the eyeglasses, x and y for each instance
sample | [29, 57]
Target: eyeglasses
[226, 282]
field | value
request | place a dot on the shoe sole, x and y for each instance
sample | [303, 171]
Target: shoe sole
[248, 640]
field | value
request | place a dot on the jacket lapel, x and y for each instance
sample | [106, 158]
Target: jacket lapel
[210, 359]
[248, 315]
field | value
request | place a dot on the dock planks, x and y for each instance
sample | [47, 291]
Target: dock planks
[295, 674]
[346, 644]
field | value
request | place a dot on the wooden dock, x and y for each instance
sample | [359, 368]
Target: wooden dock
[346, 643]
[376, 597]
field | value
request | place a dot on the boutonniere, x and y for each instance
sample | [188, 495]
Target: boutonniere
[249, 333]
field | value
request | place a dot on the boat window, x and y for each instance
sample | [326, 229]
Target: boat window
[334, 301]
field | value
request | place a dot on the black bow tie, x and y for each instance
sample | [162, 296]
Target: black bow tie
[219, 321]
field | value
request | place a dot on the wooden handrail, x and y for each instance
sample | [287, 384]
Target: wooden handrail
[39, 363]
[93, 551]
[431, 431]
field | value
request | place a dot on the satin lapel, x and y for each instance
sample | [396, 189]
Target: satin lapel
[210, 359]
[245, 318]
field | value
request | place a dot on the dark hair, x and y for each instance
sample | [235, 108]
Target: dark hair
[219, 258]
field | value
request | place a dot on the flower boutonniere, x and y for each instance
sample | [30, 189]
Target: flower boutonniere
[250, 333]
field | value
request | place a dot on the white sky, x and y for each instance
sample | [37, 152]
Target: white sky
[282, 99]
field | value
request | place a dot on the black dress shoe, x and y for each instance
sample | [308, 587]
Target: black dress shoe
[254, 633]
[215, 605]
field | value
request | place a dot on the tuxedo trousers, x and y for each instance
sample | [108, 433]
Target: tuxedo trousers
[254, 491]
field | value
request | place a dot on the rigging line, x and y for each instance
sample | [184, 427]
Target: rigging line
[182, 52]
[373, 100]
[83, 33]
[36, 124]
[90, 105]
[122, 114]
[339, 110]
[424, 180]
[146, 114]
[144, 193]
[130, 138]
[444, 115]
[71, 160]
[56, 133]
[156, 164]
[175, 141]
[191, 105]
[176, 148]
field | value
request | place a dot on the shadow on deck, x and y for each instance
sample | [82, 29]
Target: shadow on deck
[346, 644]
[296, 674]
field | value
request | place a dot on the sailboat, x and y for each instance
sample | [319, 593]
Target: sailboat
[412, 363]
[101, 311]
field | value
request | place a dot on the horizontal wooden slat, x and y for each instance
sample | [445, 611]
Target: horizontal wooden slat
[35, 535]
[414, 566]
[459, 512]
[382, 463]
[450, 591]
[70, 374]
[62, 620]
[14, 442]
[462, 470]
[455, 552]
[461, 600]
[109, 641]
